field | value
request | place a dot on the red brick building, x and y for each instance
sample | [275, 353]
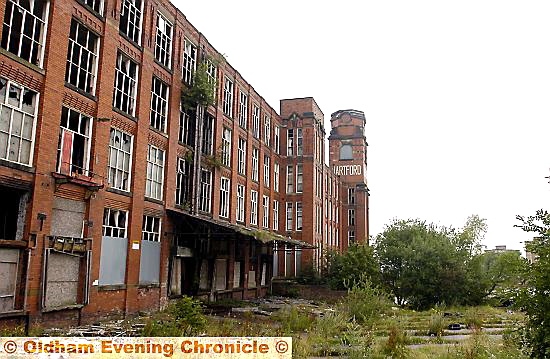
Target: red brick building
[118, 198]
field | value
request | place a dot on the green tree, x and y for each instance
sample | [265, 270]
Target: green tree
[344, 270]
[535, 298]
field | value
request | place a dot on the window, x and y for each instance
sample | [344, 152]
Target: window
[228, 98]
[240, 203]
[189, 61]
[18, 109]
[256, 121]
[226, 147]
[163, 45]
[151, 229]
[351, 195]
[289, 213]
[126, 78]
[211, 73]
[114, 223]
[298, 216]
[120, 159]
[24, 31]
[299, 142]
[159, 104]
[299, 179]
[267, 130]
[207, 134]
[275, 215]
[351, 236]
[73, 151]
[290, 142]
[346, 152]
[81, 68]
[254, 207]
[131, 19]
[266, 170]
[351, 217]
[241, 165]
[255, 158]
[265, 202]
[276, 138]
[183, 182]
[289, 179]
[205, 200]
[276, 177]
[224, 197]
[187, 127]
[243, 113]
[155, 173]
[95, 5]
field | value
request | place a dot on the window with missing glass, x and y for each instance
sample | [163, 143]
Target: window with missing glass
[120, 159]
[82, 54]
[115, 223]
[131, 18]
[155, 173]
[151, 229]
[163, 43]
[159, 105]
[126, 83]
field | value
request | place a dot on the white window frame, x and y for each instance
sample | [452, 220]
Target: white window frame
[14, 109]
[299, 178]
[277, 139]
[160, 94]
[228, 88]
[183, 173]
[163, 40]
[135, 20]
[111, 223]
[351, 195]
[226, 146]
[243, 110]
[240, 203]
[189, 61]
[79, 74]
[66, 131]
[225, 189]
[275, 215]
[186, 133]
[154, 180]
[290, 142]
[255, 164]
[253, 207]
[351, 217]
[299, 142]
[276, 172]
[256, 121]
[299, 214]
[241, 154]
[151, 228]
[290, 179]
[119, 171]
[289, 215]
[125, 84]
[265, 203]
[38, 40]
[94, 5]
[351, 236]
[267, 130]
[267, 170]
[205, 194]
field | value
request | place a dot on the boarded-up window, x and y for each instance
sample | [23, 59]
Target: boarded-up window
[203, 281]
[251, 279]
[289, 263]
[114, 248]
[264, 273]
[221, 274]
[9, 259]
[175, 280]
[237, 275]
[67, 217]
[62, 277]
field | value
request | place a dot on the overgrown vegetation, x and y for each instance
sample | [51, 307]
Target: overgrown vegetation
[183, 318]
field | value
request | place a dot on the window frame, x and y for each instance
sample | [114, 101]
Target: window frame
[253, 207]
[255, 163]
[90, 79]
[129, 5]
[241, 201]
[241, 156]
[112, 181]
[154, 177]
[225, 190]
[158, 116]
[228, 91]
[163, 50]
[125, 62]
[226, 146]
[151, 234]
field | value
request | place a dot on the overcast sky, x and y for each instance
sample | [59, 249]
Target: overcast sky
[456, 94]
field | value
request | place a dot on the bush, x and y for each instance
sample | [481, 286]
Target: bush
[188, 316]
[395, 346]
[436, 325]
[365, 302]
[346, 269]
[292, 321]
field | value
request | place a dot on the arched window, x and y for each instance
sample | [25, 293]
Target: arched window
[346, 152]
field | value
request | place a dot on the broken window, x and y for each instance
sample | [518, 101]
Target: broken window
[267, 170]
[255, 159]
[276, 138]
[289, 213]
[24, 31]
[299, 178]
[241, 160]
[120, 159]
[267, 130]
[211, 72]
[189, 61]
[183, 182]
[131, 19]
[73, 149]
[276, 171]
[265, 203]
[114, 247]
[82, 56]
[351, 195]
[187, 127]
[126, 80]
[12, 213]
[289, 142]
[149, 265]
[151, 229]
[155, 173]
[205, 200]
[207, 134]
[275, 215]
[228, 98]
[243, 113]
[224, 197]
[289, 179]
[256, 121]
[17, 122]
[226, 147]
[163, 46]
[298, 216]
[240, 203]
[95, 5]
[299, 142]
[159, 104]
[351, 217]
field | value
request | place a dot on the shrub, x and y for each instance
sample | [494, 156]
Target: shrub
[436, 325]
[188, 316]
[365, 302]
[395, 346]
[292, 321]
